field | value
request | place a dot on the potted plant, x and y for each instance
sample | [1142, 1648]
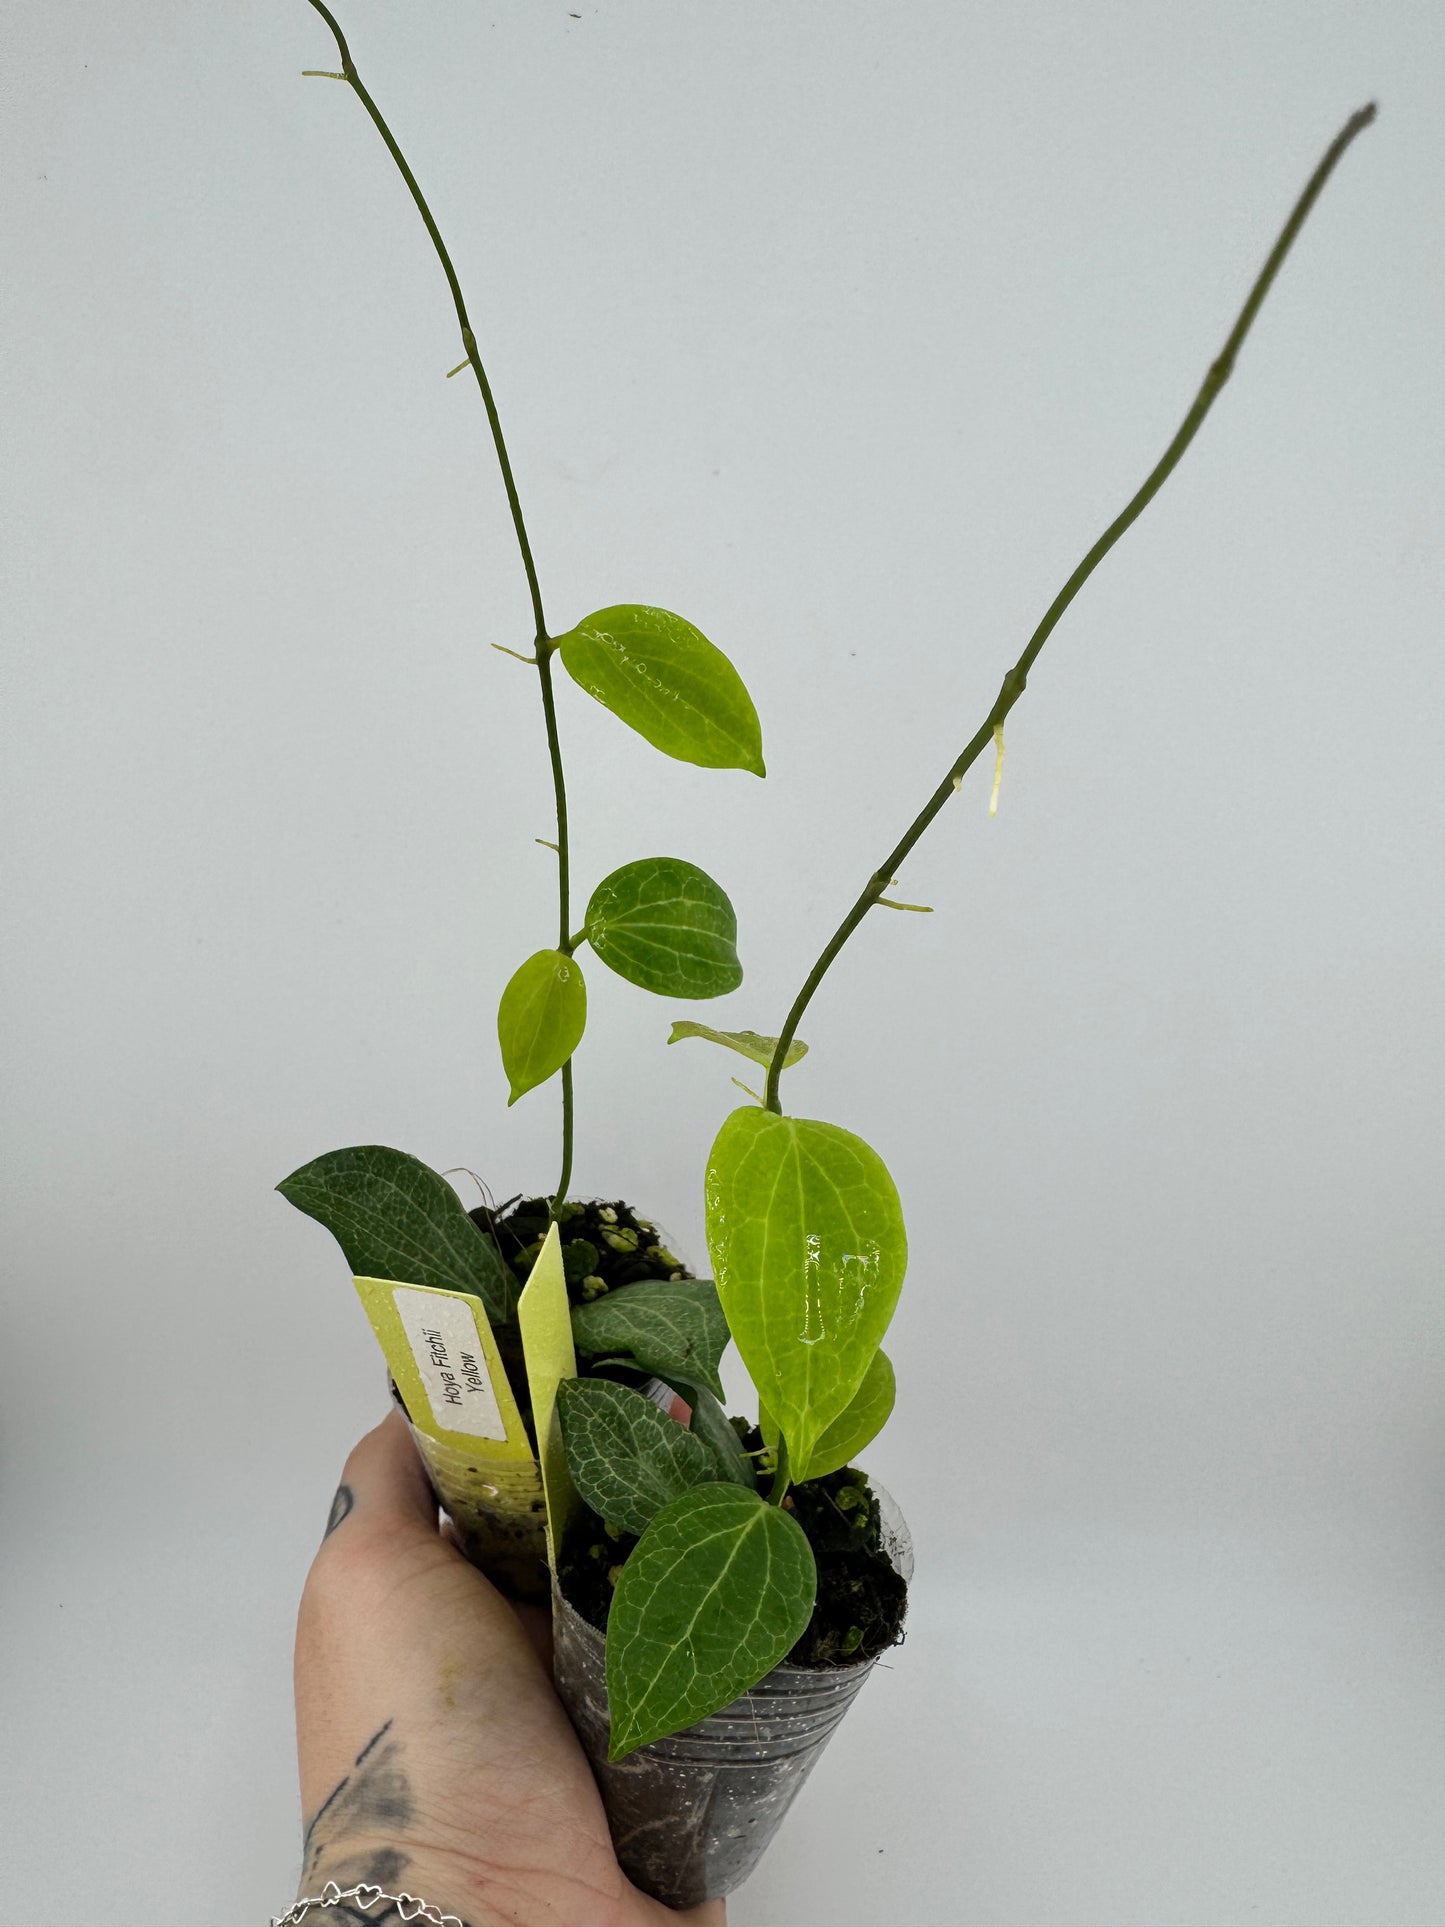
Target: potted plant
[721, 1586]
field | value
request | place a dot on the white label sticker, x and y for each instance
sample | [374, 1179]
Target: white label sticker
[670, 1403]
[453, 1366]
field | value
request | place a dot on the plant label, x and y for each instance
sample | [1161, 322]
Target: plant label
[444, 1359]
[667, 1401]
[545, 1315]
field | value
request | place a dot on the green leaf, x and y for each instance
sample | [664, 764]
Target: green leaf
[760, 1049]
[668, 1325]
[846, 1437]
[540, 1020]
[710, 1423]
[665, 925]
[718, 1590]
[395, 1218]
[666, 680]
[808, 1247]
[627, 1459]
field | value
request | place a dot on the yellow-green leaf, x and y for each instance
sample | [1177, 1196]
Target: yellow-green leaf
[845, 1438]
[540, 1020]
[664, 679]
[808, 1250]
[748, 1042]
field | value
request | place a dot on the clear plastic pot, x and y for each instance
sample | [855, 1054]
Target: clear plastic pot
[692, 1815]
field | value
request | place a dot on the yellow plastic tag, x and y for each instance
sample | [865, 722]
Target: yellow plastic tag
[464, 1418]
[546, 1320]
[445, 1361]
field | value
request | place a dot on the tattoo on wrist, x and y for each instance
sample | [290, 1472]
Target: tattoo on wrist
[373, 1800]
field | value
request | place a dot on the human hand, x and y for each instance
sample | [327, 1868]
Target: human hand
[435, 1756]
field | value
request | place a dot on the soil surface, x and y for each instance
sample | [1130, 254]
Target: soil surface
[604, 1244]
[861, 1597]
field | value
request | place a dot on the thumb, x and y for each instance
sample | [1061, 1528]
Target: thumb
[384, 1481]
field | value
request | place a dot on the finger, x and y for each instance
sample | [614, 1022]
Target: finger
[537, 1625]
[384, 1479]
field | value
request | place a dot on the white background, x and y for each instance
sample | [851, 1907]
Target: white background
[841, 328]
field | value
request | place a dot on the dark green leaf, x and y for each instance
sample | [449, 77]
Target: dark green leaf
[846, 1437]
[717, 1591]
[760, 1049]
[627, 1459]
[395, 1218]
[668, 682]
[540, 1020]
[711, 1424]
[808, 1246]
[668, 1325]
[665, 925]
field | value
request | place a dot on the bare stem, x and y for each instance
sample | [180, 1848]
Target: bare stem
[567, 1115]
[778, 1490]
[544, 646]
[1016, 679]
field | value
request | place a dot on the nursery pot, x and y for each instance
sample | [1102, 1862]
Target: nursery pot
[692, 1815]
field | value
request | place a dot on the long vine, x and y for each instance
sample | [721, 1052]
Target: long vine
[544, 646]
[991, 728]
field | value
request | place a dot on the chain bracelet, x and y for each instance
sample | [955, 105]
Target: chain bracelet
[364, 1898]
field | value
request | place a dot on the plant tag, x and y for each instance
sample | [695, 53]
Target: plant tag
[464, 1418]
[446, 1349]
[442, 1354]
[545, 1315]
[667, 1401]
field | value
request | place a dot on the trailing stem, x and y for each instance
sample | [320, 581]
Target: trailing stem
[1016, 679]
[544, 644]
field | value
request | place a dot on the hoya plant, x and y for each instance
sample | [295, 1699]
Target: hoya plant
[699, 1541]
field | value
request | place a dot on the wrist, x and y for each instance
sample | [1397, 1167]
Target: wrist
[380, 1885]
[365, 1903]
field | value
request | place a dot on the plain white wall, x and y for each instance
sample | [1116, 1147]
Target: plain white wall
[842, 329]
